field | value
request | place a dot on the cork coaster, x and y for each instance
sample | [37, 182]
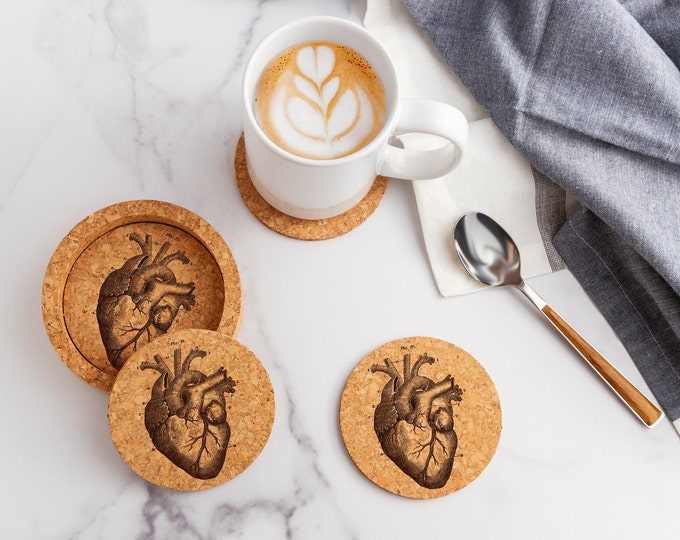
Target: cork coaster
[132, 272]
[303, 229]
[420, 417]
[191, 410]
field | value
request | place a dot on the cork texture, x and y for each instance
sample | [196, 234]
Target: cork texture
[132, 272]
[191, 410]
[420, 417]
[303, 229]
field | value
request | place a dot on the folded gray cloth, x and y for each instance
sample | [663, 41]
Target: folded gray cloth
[589, 93]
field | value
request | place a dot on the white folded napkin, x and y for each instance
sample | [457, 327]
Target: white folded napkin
[492, 177]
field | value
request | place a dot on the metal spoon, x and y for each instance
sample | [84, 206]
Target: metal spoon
[490, 256]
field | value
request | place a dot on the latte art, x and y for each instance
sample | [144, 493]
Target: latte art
[320, 100]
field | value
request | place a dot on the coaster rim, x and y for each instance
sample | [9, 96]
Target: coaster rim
[127, 400]
[102, 222]
[364, 448]
[297, 228]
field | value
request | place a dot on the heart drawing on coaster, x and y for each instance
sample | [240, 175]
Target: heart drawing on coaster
[191, 410]
[423, 428]
[186, 416]
[414, 421]
[141, 299]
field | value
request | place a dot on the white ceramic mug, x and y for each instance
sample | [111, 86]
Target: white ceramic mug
[321, 188]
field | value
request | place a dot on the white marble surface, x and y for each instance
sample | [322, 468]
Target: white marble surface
[106, 101]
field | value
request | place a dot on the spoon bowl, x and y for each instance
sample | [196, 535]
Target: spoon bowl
[487, 252]
[490, 256]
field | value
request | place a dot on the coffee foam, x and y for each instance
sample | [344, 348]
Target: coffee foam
[320, 100]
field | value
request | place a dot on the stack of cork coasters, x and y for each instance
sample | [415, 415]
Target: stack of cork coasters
[142, 299]
[420, 417]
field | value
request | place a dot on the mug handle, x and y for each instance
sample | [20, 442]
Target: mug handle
[430, 117]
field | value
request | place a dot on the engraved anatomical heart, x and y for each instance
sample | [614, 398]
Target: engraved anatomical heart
[186, 416]
[140, 300]
[414, 422]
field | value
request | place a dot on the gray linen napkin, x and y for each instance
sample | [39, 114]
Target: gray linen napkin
[589, 93]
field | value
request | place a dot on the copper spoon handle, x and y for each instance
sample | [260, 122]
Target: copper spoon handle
[643, 408]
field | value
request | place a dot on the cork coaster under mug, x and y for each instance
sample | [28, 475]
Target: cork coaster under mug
[420, 417]
[303, 229]
[129, 273]
[191, 410]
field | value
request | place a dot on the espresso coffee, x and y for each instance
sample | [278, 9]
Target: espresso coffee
[320, 100]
